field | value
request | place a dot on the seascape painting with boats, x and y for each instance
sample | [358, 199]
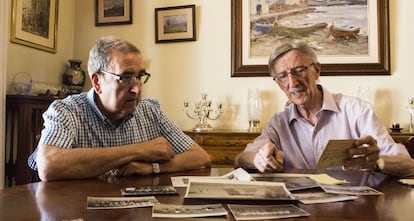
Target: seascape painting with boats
[331, 27]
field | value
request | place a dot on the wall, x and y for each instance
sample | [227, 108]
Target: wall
[3, 60]
[182, 71]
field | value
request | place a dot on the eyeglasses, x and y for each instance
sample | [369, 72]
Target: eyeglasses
[297, 72]
[128, 79]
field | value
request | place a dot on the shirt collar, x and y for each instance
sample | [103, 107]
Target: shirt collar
[328, 104]
[91, 100]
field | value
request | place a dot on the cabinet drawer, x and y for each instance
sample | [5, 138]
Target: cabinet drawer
[223, 157]
[223, 146]
[223, 140]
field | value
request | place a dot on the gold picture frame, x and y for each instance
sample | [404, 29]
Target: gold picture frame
[175, 24]
[112, 12]
[35, 25]
[244, 66]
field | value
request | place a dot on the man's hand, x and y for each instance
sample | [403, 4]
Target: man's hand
[134, 168]
[157, 150]
[269, 159]
[363, 156]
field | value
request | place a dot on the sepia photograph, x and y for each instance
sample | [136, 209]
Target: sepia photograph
[120, 202]
[260, 212]
[149, 190]
[351, 190]
[292, 182]
[322, 197]
[237, 174]
[187, 211]
[240, 190]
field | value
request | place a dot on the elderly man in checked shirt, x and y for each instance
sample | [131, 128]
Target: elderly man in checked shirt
[296, 137]
[109, 128]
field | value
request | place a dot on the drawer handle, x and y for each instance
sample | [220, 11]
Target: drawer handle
[232, 144]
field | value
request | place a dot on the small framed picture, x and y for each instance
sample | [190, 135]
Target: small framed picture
[175, 24]
[113, 12]
[34, 24]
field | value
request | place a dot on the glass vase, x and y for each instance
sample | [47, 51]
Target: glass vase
[254, 109]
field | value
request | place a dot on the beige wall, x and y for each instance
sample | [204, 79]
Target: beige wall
[182, 71]
[3, 59]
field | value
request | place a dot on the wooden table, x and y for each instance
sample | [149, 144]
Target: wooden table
[66, 200]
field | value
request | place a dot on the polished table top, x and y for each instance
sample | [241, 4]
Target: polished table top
[66, 200]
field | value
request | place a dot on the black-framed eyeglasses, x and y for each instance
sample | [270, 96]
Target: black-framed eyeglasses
[130, 78]
[297, 72]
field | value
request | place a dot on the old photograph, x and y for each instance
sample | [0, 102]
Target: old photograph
[352, 190]
[120, 202]
[187, 211]
[259, 212]
[240, 190]
[322, 197]
[148, 190]
[292, 182]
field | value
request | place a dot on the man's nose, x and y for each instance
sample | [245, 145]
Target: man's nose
[292, 78]
[136, 87]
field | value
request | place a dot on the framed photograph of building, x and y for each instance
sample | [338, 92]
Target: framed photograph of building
[349, 38]
[175, 24]
[113, 12]
[34, 24]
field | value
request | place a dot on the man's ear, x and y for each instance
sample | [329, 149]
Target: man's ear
[317, 67]
[96, 84]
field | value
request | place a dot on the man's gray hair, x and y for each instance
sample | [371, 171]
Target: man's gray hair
[286, 47]
[100, 56]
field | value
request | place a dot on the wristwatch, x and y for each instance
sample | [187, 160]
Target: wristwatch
[156, 168]
[380, 164]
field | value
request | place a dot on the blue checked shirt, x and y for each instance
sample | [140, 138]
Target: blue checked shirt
[76, 122]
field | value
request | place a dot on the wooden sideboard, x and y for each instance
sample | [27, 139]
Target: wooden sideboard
[223, 146]
[23, 123]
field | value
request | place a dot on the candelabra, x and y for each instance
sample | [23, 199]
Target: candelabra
[203, 111]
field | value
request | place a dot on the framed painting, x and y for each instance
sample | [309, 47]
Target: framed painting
[34, 24]
[349, 39]
[113, 12]
[175, 24]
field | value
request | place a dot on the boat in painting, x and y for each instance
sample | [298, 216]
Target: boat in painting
[299, 29]
[345, 32]
[263, 28]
